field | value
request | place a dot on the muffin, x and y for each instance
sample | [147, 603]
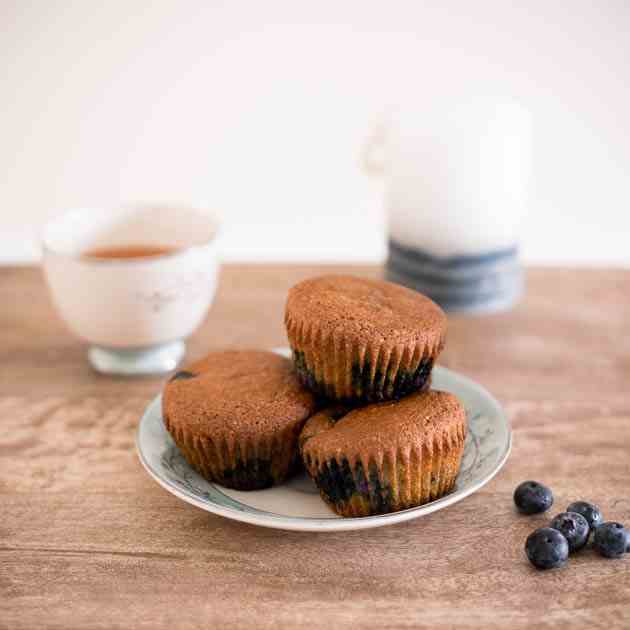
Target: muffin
[387, 456]
[236, 417]
[356, 340]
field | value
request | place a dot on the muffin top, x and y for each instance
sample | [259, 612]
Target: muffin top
[370, 310]
[407, 423]
[239, 393]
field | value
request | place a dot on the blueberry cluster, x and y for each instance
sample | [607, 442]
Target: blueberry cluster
[549, 547]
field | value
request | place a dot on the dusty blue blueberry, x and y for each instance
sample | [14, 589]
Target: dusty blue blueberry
[547, 548]
[574, 527]
[181, 375]
[589, 511]
[610, 540]
[532, 497]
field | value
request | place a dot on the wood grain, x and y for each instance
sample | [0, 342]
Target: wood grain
[87, 540]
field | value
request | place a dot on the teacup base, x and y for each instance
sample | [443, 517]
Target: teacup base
[137, 361]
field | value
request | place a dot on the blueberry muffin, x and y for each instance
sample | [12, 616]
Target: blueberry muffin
[356, 340]
[236, 417]
[387, 456]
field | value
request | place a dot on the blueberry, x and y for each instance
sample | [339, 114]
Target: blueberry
[574, 527]
[610, 540]
[589, 511]
[182, 375]
[532, 497]
[547, 548]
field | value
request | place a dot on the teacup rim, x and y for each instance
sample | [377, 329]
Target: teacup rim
[79, 256]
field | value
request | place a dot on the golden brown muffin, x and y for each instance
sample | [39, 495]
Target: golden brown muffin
[236, 417]
[359, 340]
[387, 456]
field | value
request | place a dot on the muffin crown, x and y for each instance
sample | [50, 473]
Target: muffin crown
[372, 431]
[230, 393]
[369, 311]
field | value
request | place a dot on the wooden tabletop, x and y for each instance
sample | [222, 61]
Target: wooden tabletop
[88, 540]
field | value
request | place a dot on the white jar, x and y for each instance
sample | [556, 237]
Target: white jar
[456, 181]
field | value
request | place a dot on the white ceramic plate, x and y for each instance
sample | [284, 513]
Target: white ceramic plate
[296, 504]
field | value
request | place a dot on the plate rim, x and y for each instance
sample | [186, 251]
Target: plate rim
[320, 524]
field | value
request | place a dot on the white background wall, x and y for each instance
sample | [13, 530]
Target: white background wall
[259, 109]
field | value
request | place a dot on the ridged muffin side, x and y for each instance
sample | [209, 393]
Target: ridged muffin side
[252, 464]
[386, 457]
[339, 369]
[355, 340]
[236, 417]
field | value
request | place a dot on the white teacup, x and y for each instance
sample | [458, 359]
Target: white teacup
[134, 312]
